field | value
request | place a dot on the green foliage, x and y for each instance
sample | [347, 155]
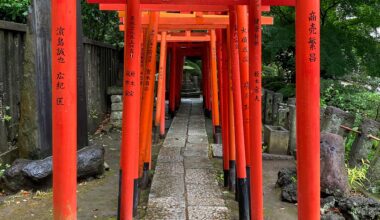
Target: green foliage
[350, 96]
[348, 38]
[14, 10]
[3, 167]
[101, 25]
[192, 67]
[357, 175]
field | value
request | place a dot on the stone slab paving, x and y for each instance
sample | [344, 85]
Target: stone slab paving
[184, 185]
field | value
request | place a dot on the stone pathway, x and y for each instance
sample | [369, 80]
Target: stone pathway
[184, 185]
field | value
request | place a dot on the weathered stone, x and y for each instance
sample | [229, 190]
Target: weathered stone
[282, 118]
[332, 216]
[116, 123]
[333, 171]
[204, 195]
[116, 115]
[291, 101]
[333, 118]
[197, 139]
[169, 154]
[116, 98]
[362, 145]
[114, 90]
[200, 176]
[208, 212]
[268, 107]
[166, 208]
[117, 106]
[292, 129]
[277, 139]
[200, 150]
[358, 207]
[277, 100]
[29, 174]
[373, 174]
[289, 193]
[217, 150]
[286, 176]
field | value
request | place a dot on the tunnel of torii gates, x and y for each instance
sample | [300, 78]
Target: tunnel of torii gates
[226, 34]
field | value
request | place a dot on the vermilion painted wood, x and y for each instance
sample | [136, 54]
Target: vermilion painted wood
[214, 80]
[223, 78]
[171, 21]
[308, 123]
[163, 95]
[236, 89]
[255, 110]
[242, 25]
[181, 60]
[161, 73]
[231, 123]
[131, 105]
[166, 7]
[201, 2]
[173, 75]
[64, 108]
[149, 67]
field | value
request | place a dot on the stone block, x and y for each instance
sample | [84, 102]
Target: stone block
[333, 118]
[268, 107]
[362, 145]
[197, 139]
[208, 212]
[114, 90]
[334, 179]
[116, 115]
[116, 98]
[217, 150]
[277, 100]
[166, 208]
[292, 129]
[117, 106]
[276, 139]
[169, 154]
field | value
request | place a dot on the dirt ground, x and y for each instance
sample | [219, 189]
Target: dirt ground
[97, 198]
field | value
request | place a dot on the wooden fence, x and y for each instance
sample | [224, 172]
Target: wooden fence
[101, 64]
[12, 38]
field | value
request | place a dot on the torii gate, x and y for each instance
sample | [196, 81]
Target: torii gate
[64, 102]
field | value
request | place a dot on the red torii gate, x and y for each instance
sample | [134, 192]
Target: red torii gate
[64, 99]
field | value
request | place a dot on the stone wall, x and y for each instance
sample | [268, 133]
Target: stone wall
[116, 105]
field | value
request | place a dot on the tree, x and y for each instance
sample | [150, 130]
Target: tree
[349, 38]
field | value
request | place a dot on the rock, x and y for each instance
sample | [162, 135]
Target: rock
[90, 161]
[362, 145]
[357, 207]
[286, 176]
[268, 107]
[328, 203]
[116, 98]
[332, 216]
[291, 101]
[36, 174]
[13, 180]
[37, 170]
[333, 171]
[333, 118]
[373, 174]
[289, 193]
